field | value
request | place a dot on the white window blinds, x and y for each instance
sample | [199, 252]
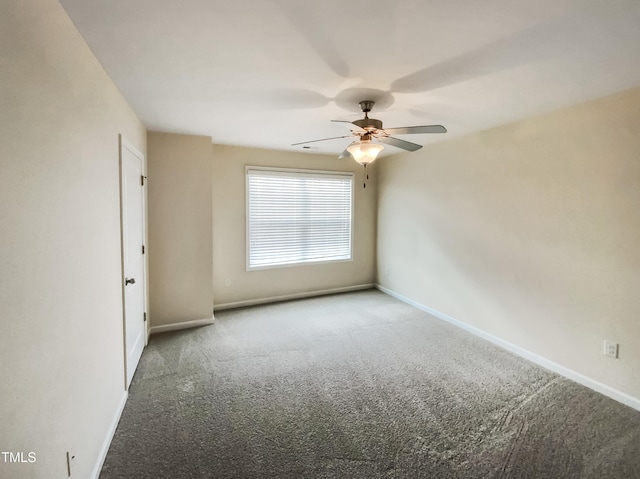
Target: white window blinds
[297, 216]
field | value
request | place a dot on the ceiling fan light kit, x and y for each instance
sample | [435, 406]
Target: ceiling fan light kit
[366, 130]
[364, 151]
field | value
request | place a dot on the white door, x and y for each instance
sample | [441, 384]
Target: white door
[132, 204]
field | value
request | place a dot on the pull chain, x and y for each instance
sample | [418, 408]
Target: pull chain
[366, 175]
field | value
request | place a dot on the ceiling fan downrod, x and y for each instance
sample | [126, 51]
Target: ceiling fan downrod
[369, 124]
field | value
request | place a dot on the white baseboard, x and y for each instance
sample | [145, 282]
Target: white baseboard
[541, 361]
[287, 297]
[183, 325]
[109, 437]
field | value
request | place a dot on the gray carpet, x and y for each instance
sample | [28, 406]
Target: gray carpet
[359, 386]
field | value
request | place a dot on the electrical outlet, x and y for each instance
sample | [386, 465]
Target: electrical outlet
[610, 348]
[227, 282]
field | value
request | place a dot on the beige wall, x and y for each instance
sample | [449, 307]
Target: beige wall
[61, 345]
[530, 232]
[229, 224]
[180, 261]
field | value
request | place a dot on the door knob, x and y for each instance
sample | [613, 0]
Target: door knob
[129, 281]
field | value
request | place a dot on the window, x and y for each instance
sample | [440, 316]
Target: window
[297, 216]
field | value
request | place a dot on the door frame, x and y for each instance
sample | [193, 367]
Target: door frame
[123, 143]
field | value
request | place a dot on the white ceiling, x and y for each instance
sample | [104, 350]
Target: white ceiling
[268, 73]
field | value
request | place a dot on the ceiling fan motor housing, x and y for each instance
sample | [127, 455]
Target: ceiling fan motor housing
[369, 124]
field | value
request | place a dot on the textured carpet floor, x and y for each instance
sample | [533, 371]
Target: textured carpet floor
[358, 386]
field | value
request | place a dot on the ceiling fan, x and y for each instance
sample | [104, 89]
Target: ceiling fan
[364, 149]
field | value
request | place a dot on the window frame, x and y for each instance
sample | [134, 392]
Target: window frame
[292, 171]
